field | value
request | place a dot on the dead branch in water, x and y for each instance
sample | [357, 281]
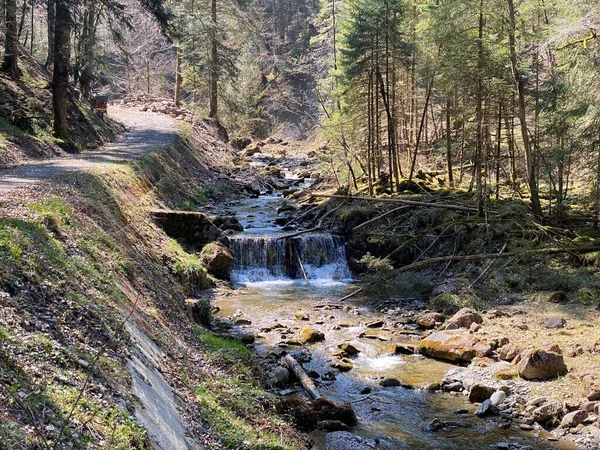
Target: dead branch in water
[305, 380]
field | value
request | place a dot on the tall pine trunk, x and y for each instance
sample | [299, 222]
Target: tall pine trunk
[214, 64]
[178, 77]
[51, 22]
[521, 113]
[10, 61]
[60, 79]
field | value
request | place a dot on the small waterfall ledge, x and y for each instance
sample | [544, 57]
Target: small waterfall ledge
[321, 256]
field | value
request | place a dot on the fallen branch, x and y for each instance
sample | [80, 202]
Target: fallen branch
[349, 296]
[368, 222]
[397, 200]
[299, 233]
[305, 380]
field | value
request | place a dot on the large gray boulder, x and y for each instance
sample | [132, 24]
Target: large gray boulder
[218, 260]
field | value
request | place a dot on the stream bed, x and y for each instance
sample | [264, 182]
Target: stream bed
[277, 282]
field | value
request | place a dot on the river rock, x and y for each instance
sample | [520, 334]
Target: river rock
[484, 408]
[375, 324]
[232, 224]
[278, 377]
[547, 411]
[574, 418]
[349, 349]
[454, 345]
[479, 393]
[311, 335]
[218, 260]
[498, 397]
[251, 150]
[430, 320]
[466, 317]
[327, 410]
[343, 440]
[555, 322]
[558, 297]
[390, 382]
[342, 366]
[541, 365]
[242, 321]
[332, 425]
[509, 352]
[301, 315]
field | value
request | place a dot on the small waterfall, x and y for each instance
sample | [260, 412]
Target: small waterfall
[267, 258]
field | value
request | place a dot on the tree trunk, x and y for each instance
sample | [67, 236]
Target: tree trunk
[449, 144]
[479, 114]
[10, 61]
[214, 64]
[178, 77]
[60, 80]
[51, 21]
[521, 113]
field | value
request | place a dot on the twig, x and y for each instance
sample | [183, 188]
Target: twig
[349, 296]
[489, 266]
[368, 222]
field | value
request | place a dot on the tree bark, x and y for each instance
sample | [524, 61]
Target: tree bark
[51, 22]
[449, 144]
[214, 64]
[10, 61]
[60, 79]
[178, 77]
[521, 113]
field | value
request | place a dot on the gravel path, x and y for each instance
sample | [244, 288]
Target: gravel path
[145, 132]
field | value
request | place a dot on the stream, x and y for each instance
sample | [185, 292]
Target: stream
[275, 279]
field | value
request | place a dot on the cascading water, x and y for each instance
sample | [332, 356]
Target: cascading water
[318, 256]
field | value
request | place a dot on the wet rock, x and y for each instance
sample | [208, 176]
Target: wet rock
[574, 418]
[404, 349]
[332, 425]
[242, 321]
[375, 324]
[541, 365]
[558, 297]
[555, 323]
[430, 320]
[301, 315]
[454, 345]
[278, 377]
[484, 409]
[232, 224]
[218, 260]
[431, 387]
[342, 366]
[299, 412]
[343, 440]
[498, 397]
[390, 382]
[327, 410]
[478, 393]
[509, 352]
[310, 335]
[466, 317]
[547, 411]
[285, 208]
[349, 349]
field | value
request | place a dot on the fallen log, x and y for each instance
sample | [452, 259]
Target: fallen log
[349, 296]
[483, 256]
[401, 201]
[305, 380]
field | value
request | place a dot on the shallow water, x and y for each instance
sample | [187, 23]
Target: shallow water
[397, 415]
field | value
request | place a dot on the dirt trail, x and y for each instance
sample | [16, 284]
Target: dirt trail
[145, 132]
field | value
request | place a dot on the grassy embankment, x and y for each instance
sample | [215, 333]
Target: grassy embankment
[76, 255]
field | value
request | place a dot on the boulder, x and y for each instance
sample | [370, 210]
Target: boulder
[484, 408]
[555, 322]
[466, 317]
[390, 382]
[310, 335]
[278, 377]
[332, 425]
[547, 411]
[218, 260]
[574, 418]
[509, 352]
[541, 365]
[251, 150]
[480, 393]
[498, 397]
[454, 345]
[558, 297]
[232, 224]
[430, 320]
[327, 410]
